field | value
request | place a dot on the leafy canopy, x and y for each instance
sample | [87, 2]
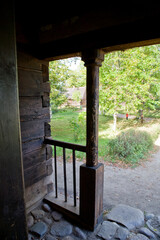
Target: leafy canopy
[62, 76]
[130, 78]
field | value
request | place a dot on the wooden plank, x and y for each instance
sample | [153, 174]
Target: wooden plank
[32, 130]
[31, 83]
[59, 205]
[134, 33]
[34, 194]
[45, 72]
[30, 114]
[30, 103]
[12, 204]
[25, 60]
[87, 22]
[45, 100]
[32, 145]
[47, 129]
[35, 174]
[28, 62]
[33, 158]
[49, 167]
[49, 151]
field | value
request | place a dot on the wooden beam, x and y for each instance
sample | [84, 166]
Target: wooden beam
[92, 59]
[12, 204]
[134, 33]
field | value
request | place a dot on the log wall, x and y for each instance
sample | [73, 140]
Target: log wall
[34, 103]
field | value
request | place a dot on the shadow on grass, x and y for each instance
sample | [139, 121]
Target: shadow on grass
[62, 131]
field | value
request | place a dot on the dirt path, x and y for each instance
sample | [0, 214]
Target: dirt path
[138, 187]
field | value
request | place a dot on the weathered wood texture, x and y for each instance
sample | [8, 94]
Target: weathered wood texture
[34, 105]
[91, 194]
[12, 204]
[93, 60]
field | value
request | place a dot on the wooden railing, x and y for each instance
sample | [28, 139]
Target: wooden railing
[74, 148]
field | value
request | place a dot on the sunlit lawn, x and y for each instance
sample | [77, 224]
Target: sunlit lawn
[61, 130]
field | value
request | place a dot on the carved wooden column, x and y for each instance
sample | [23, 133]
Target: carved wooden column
[91, 173]
[93, 60]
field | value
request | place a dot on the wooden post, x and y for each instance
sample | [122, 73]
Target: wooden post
[93, 60]
[12, 205]
[91, 173]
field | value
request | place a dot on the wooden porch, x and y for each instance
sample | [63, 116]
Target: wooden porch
[32, 36]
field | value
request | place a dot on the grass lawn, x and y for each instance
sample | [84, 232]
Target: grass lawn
[62, 130]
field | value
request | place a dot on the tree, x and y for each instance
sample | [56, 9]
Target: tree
[78, 75]
[127, 80]
[57, 76]
[76, 96]
[62, 76]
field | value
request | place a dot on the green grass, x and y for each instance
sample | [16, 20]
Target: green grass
[61, 130]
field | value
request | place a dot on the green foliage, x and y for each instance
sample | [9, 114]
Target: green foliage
[77, 76]
[61, 130]
[57, 76]
[78, 126]
[129, 80]
[76, 96]
[62, 76]
[131, 145]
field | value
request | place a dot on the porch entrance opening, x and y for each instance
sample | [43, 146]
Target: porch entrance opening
[117, 94]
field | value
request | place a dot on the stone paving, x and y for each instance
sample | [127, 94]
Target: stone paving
[122, 223]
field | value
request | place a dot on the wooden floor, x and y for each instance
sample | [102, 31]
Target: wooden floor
[66, 208]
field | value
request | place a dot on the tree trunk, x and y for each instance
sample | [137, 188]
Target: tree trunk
[115, 122]
[141, 116]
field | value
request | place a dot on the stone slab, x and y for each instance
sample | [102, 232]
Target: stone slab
[61, 229]
[154, 225]
[56, 216]
[139, 237]
[145, 231]
[39, 229]
[107, 230]
[79, 233]
[30, 221]
[127, 216]
[46, 207]
[49, 237]
[68, 238]
[38, 214]
[121, 233]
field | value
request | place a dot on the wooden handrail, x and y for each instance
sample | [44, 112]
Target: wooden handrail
[72, 146]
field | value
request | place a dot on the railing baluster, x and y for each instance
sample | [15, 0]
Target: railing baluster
[65, 145]
[74, 178]
[55, 170]
[65, 176]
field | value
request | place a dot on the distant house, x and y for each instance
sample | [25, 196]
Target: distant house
[76, 97]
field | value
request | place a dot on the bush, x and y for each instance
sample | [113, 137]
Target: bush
[131, 145]
[78, 126]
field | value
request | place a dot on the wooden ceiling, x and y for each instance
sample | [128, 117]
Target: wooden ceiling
[62, 30]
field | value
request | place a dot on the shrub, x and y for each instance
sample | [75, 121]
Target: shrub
[78, 126]
[131, 145]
